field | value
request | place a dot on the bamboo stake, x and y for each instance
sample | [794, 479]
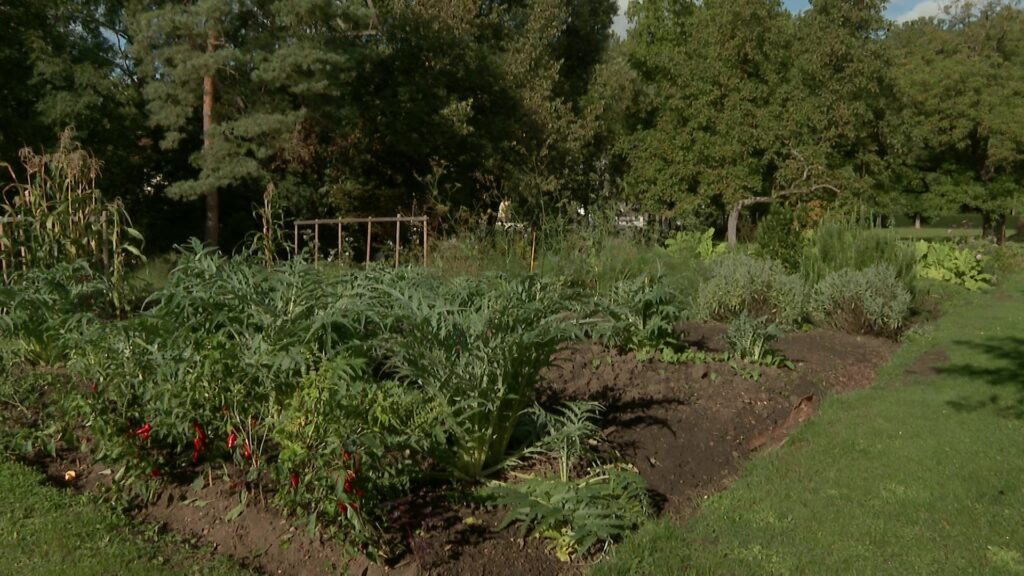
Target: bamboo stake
[424, 241]
[106, 252]
[3, 253]
[533, 252]
[316, 243]
[398, 241]
[369, 232]
[339, 242]
[296, 238]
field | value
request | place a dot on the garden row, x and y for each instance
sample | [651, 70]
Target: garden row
[342, 393]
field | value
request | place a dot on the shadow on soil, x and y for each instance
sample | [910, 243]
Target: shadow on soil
[1007, 375]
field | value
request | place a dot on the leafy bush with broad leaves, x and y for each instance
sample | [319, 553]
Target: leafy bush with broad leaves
[949, 263]
[635, 315]
[742, 284]
[587, 502]
[576, 514]
[751, 339]
[692, 245]
[474, 351]
[868, 301]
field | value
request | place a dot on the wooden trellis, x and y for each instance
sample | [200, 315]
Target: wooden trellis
[339, 223]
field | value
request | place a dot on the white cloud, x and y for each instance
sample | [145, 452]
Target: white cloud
[933, 8]
[923, 9]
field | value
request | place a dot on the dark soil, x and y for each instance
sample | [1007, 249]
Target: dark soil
[686, 428]
[929, 363]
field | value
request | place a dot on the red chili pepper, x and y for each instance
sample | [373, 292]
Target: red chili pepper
[246, 452]
[359, 493]
[342, 507]
[294, 480]
[232, 439]
[345, 456]
[155, 472]
[197, 444]
[349, 485]
[143, 431]
[93, 388]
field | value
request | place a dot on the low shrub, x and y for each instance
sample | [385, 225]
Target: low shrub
[742, 284]
[779, 238]
[868, 301]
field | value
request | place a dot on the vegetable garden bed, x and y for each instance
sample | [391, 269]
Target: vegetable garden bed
[687, 428]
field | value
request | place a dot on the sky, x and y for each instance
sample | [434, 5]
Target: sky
[899, 10]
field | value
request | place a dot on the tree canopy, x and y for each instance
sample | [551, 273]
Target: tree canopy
[449, 107]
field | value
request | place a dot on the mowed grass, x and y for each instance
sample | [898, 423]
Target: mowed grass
[49, 531]
[961, 226]
[922, 474]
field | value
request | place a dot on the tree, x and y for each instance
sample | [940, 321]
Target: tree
[465, 103]
[62, 64]
[254, 69]
[713, 130]
[840, 97]
[960, 81]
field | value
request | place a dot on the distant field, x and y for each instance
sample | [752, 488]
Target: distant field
[958, 226]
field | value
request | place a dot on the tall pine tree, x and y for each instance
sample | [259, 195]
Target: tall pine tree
[251, 70]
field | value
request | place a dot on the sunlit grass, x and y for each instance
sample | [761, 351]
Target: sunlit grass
[918, 475]
[49, 531]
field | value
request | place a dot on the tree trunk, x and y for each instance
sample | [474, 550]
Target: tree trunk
[986, 224]
[212, 196]
[917, 221]
[731, 234]
[1000, 228]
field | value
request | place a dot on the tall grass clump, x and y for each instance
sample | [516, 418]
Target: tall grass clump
[837, 245]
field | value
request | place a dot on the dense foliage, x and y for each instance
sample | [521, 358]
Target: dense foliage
[447, 108]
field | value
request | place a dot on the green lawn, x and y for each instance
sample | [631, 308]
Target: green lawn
[46, 530]
[918, 475]
[956, 226]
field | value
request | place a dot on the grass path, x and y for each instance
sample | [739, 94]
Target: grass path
[48, 531]
[921, 474]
